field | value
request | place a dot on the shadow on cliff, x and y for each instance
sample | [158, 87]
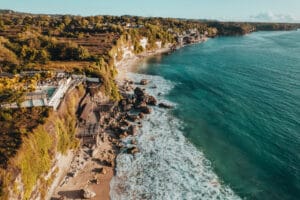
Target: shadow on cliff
[71, 194]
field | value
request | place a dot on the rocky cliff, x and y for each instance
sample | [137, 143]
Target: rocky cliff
[44, 153]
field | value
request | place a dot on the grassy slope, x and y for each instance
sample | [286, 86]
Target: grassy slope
[38, 146]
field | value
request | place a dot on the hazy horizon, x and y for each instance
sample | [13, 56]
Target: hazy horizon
[231, 10]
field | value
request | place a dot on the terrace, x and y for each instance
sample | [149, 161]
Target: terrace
[50, 92]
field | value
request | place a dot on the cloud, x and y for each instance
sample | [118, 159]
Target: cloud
[271, 17]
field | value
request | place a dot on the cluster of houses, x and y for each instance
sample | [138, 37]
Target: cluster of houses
[51, 92]
[190, 36]
[131, 25]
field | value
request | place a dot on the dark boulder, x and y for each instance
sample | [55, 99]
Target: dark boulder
[123, 102]
[133, 150]
[123, 123]
[132, 118]
[164, 105]
[139, 92]
[123, 135]
[128, 81]
[131, 100]
[127, 107]
[133, 141]
[145, 109]
[141, 115]
[141, 99]
[144, 82]
[151, 101]
[128, 88]
[132, 130]
[141, 104]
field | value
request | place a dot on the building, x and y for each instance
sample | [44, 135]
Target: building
[88, 114]
[92, 80]
[6, 75]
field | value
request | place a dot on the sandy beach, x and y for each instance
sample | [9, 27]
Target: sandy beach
[94, 175]
[130, 64]
[94, 167]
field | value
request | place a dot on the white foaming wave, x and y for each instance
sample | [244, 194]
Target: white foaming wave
[168, 166]
[156, 85]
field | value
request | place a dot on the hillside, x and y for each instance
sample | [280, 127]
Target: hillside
[77, 45]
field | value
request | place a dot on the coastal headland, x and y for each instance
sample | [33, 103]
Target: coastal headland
[93, 166]
[67, 76]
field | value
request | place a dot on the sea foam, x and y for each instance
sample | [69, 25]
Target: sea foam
[168, 166]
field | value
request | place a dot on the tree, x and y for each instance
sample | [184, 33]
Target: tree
[7, 57]
[83, 53]
[2, 25]
[43, 56]
[66, 20]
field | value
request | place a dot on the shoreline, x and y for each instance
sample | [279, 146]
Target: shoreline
[129, 64]
[168, 165]
[93, 168]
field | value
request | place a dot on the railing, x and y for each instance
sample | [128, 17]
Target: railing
[59, 93]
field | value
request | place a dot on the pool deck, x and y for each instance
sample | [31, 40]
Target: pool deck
[51, 94]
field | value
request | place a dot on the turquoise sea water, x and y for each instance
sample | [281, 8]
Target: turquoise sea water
[239, 101]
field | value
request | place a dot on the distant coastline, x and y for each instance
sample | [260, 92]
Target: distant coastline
[218, 100]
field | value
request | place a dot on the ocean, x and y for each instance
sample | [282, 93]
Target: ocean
[234, 132]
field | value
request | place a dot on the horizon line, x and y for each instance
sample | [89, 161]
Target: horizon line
[164, 17]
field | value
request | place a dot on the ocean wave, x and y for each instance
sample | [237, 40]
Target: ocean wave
[167, 166]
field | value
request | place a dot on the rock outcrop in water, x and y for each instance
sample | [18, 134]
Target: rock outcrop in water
[164, 105]
[98, 153]
[162, 151]
[144, 82]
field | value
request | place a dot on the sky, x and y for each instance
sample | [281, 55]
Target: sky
[226, 10]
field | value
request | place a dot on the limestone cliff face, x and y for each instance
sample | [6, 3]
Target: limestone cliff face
[127, 48]
[124, 49]
[45, 154]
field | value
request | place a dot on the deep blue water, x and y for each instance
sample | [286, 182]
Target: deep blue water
[239, 98]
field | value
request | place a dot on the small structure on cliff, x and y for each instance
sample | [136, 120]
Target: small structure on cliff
[50, 91]
[87, 114]
[92, 115]
[92, 80]
[6, 75]
[89, 134]
[189, 37]
[38, 98]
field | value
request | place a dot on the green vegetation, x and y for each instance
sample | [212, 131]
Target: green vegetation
[13, 89]
[241, 28]
[21, 132]
[30, 137]
[30, 41]
[35, 158]
[14, 125]
[65, 128]
[276, 26]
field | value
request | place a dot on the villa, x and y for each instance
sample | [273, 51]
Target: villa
[51, 92]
